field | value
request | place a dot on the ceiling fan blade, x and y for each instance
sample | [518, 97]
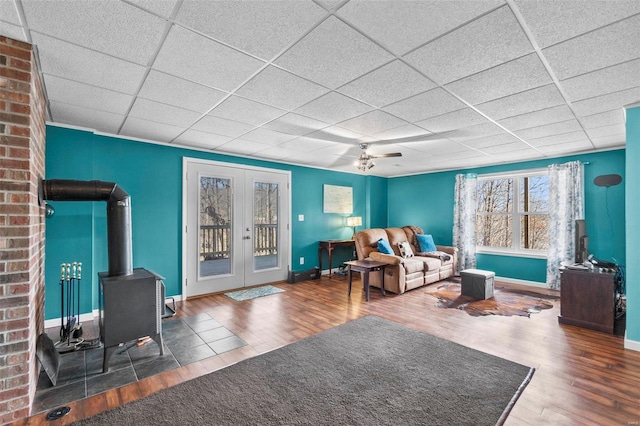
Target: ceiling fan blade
[391, 154]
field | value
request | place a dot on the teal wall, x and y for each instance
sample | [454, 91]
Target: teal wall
[152, 175]
[427, 201]
[633, 224]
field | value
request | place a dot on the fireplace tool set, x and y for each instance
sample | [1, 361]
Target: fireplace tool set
[71, 331]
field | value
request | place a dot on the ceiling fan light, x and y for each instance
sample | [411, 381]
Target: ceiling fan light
[370, 165]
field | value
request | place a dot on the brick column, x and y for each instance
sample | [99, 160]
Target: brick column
[22, 143]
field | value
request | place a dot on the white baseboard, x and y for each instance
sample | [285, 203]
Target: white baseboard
[522, 282]
[633, 345]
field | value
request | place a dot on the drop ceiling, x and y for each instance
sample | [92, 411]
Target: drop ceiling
[449, 84]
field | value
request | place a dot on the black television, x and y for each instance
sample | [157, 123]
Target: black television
[582, 241]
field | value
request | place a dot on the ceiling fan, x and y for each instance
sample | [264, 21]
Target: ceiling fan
[365, 161]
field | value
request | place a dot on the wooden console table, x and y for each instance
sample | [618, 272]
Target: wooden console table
[588, 299]
[329, 245]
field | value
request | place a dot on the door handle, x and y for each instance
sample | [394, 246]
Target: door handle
[248, 237]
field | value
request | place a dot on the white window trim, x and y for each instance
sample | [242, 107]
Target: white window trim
[502, 251]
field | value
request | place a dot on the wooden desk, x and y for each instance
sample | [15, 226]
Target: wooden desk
[588, 299]
[366, 266]
[329, 245]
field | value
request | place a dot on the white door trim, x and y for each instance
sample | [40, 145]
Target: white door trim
[185, 162]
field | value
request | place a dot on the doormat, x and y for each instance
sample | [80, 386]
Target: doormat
[252, 293]
[505, 302]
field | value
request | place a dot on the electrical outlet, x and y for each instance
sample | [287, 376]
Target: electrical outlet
[302, 260]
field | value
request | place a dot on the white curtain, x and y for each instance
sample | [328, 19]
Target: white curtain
[464, 219]
[566, 205]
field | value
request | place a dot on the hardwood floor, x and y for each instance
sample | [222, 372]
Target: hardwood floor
[582, 376]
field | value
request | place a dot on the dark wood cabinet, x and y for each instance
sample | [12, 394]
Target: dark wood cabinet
[588, 299]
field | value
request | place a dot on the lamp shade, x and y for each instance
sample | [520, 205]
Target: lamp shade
[354, 221]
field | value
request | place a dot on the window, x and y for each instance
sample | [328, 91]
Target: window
[512, 213]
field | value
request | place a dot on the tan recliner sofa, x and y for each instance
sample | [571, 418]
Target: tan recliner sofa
[404, 274]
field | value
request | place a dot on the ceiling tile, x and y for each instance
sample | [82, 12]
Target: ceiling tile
[389, 83]
[306, 144]
[538, 118]
[84, 95]
[493, 140]
[241, 147]
[504, 80]
[333, 107]
[338, 134]
[372, 122]
[171, 90]
[200, 139]
[295, 124]
[567, 148]
[438, 147]
[222, 126]
[491, 40]
[86, 66]
[404, 133]
[523, 102]
[564, 138]
[552, 21]
[158, 7]
[102, 25]
[601, 82]
[607, 102]
[611, 130]
[281, 89]
[474, 132]
[508, 150]
[550, 129]
[247, 111]
[86, 117]
[8, 13]
[191, 56]
[150, 130]
[603, 119]
[266, 136]
[425, 105]
[419, 21]
[595, 50]
[163, 113]
[12, 31]
[452, 120]
[261, 28]
[333, 54]
[614, 141]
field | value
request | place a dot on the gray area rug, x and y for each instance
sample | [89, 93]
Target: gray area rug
[252, 293]
[369, 371]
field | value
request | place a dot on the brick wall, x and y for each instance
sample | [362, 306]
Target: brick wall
[22, 143]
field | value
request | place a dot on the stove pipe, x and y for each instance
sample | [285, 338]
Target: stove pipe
[118, 215]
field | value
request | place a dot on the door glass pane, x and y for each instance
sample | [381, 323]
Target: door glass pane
[215, 223]
[265, 225]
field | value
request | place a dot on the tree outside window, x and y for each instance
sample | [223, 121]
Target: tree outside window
[512, 212]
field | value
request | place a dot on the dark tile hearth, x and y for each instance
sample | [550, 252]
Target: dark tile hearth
[186, 340]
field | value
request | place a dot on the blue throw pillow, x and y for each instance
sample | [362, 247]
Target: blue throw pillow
[384, 247]
[426, 243]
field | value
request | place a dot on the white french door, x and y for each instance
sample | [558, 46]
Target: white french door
[236, 226]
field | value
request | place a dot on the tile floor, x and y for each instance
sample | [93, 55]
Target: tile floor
[186, 340]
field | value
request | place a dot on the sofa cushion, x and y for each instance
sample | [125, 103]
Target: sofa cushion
[384, 247]
[367, 241]
[405, 249]
[425, 241]
[430, 263]
[413, 265]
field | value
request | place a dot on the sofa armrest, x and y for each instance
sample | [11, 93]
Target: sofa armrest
[448, 249]
[386, 258]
